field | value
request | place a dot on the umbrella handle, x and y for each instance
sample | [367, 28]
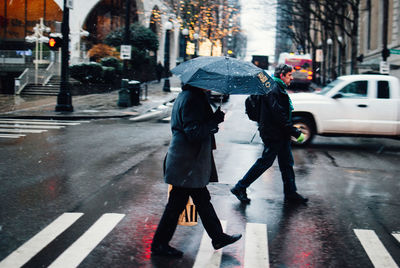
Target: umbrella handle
[220, 100]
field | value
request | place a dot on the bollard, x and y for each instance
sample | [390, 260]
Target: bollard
[134, 89]
[124, 98]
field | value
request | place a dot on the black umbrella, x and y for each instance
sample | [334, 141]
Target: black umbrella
[225, 75]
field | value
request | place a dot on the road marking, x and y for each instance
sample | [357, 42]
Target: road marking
[44, 120]
[397, 236]
[78, 251]
[11, 136]
[13, 130]
[30, 248]
[256, 246]
[376, 251]
[30, 122]
[31, 127]
[207, 256]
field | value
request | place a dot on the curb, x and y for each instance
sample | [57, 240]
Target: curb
[79, 115]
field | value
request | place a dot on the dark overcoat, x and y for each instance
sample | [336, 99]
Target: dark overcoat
[275, 116]
[189, 162]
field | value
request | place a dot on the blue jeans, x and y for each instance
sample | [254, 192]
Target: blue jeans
[283, 150]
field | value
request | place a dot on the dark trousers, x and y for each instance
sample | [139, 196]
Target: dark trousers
[177, 201]
[283, 150]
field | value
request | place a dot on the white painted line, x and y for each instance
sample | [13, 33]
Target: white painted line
[397, 236]
[11, 130]
[207, 256]
[25, 252]
[376, 251]
[44, 120]
[38, 123]
[256, 246]
[11, 136]
[78, 251]
[31, 127]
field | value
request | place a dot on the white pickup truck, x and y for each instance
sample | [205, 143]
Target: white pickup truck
[352, 105]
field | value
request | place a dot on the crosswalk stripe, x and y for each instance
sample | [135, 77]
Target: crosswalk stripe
[31, 127]
[376, 252]
[40, 123]
[13, 130]
[256, 246]
[397, 236]
[44, 120]
[30, 248]
[78, 251]
[11, 136]
[207, 256]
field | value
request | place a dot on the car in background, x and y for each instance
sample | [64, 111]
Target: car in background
[352, 105]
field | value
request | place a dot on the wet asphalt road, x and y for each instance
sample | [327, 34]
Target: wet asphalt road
[115, 166]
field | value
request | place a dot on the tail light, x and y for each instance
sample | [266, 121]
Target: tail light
[309, 73]
[309, 77]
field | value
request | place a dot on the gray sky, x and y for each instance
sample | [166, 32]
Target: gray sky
[258, 19]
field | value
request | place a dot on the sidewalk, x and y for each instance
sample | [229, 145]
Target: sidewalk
[93, 106]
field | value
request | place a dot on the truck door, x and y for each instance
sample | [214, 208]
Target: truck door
[382, 109]
[352, 108]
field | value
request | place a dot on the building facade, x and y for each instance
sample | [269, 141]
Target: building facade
[372, 39]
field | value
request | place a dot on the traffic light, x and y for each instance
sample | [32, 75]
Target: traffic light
[385, 53]
[55, 43]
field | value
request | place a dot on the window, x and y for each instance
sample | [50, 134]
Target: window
[356, 89]
[383, 90]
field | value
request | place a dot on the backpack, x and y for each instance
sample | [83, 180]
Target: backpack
[253, 107]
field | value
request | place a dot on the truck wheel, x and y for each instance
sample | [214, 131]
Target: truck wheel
[306, 127]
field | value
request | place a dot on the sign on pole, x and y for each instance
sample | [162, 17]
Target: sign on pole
[395, 51]
[384, 67]
[319, 55]
[70, 4]
[126, 52]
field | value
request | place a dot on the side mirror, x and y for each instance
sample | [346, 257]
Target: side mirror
[337, 96]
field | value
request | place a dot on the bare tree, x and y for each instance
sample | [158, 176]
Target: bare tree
[328, 19]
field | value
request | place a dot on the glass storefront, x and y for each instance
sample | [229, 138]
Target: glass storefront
[18, 17]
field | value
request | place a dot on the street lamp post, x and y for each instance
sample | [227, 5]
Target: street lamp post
[185, 33]
[39, 39]
[64, 99]
[127, 34]
[340, 39]
[329, 42]
[168, 27]
[196, 40]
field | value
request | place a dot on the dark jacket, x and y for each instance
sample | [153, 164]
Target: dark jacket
[275, 121]
[189, 161]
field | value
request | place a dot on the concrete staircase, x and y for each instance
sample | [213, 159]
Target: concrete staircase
[52, 88]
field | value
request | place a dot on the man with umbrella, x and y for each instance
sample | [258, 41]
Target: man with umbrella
[189, 167]
[276, 129]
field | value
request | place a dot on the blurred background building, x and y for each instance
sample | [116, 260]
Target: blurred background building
[186, 28]
[342, 37]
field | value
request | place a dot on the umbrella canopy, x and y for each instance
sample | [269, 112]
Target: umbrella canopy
[225, 75]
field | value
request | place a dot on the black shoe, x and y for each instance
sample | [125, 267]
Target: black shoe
[240, 193]
[226, 240]
[166, 250]
[296, 198]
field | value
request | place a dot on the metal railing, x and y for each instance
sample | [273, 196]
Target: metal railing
[21, 81]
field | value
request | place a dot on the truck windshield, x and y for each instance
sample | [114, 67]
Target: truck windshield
[329, 86]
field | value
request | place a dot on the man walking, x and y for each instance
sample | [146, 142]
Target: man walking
[276, 129]
[189, 167]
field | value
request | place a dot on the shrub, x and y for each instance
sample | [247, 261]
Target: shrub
[112, 62]
[99, 51]
[109, 75]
